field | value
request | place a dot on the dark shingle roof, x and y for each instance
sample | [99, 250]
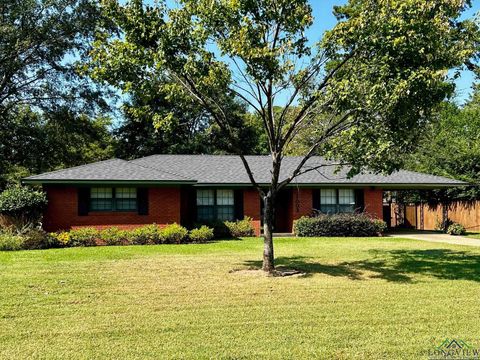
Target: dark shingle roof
[229, 169]
[113, 169]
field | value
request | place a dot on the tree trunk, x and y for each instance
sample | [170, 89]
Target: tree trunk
[268, 219]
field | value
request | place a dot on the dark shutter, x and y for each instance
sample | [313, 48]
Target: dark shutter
[142, 201]
[316, 199]
[83, 200]
[238, 201]
[359, 200]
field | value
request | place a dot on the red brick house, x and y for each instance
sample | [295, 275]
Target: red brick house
[189, 189]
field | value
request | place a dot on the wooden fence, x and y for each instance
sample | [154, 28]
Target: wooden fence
[426, 217]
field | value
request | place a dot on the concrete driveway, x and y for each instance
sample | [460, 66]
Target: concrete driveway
[435, 237]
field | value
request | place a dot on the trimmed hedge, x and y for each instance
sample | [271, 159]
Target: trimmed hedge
[341, 225]
[240, 228]
[231, 229]
[201, 235]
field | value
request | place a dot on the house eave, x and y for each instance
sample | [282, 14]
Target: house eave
[386, 186]
[106, 182]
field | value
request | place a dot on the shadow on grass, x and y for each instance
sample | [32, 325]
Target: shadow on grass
[396, 265]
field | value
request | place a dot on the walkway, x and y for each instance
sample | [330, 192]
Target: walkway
[435, 237]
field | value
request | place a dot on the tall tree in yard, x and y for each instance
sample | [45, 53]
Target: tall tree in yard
[362, 93]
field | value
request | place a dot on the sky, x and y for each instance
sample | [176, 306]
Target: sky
[324, 20]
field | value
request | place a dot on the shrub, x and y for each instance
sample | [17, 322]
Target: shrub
[240, 228]
[39, 239]
[62, 238]
[202, 234]
[10, 242]
[339, 225]
[114, 236]
[22, 206]
[456, 229]
[83, 237]
[173, 234]
[148, 234]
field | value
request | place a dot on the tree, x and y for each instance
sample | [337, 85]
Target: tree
[35, 142]
[41, 44]
[377, 74]
[48, 111]
[451, 148]
[190, 129]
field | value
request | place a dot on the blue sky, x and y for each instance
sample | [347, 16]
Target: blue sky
[324, 20]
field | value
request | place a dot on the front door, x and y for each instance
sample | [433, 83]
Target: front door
[281, 211]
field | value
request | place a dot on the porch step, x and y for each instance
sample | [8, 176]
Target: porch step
[283, 235]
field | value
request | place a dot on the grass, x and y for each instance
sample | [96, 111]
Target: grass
[473, 235]
[360, 298]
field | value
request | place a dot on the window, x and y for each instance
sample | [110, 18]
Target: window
[225, 206]
[101, 199]
[337, 201]
[215, 205]
[346, 200]
[126, 199]
[205, 205]
[328, 201]
[113, 199]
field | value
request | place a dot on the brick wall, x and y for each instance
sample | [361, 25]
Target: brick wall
[165, 208]
[62, 211]
[374, 202]
[251, 208]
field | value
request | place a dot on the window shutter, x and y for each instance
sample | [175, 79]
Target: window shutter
[359, 200]
[192, 205]
[238, 201]
[83, 200]
[142, 201]
[316, 199]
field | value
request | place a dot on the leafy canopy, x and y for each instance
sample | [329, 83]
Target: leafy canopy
[376, 76]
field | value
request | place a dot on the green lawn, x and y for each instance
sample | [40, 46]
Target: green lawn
[361, 298]
[474, 235]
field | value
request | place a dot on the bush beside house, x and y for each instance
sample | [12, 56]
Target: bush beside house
[21, 207]
[341, 225]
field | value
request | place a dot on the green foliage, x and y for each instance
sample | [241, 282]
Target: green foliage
[84, 236]
[114, 236]
[22, 205]
[456, 229]
[37, 36]
[144, 235]
[60, 138]
[173, 234]
[201, 235]
[364, 93]
[391, 95]
[350, 225]
[10, 241]
[240, 228]
[48, 111]
[451, 148]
